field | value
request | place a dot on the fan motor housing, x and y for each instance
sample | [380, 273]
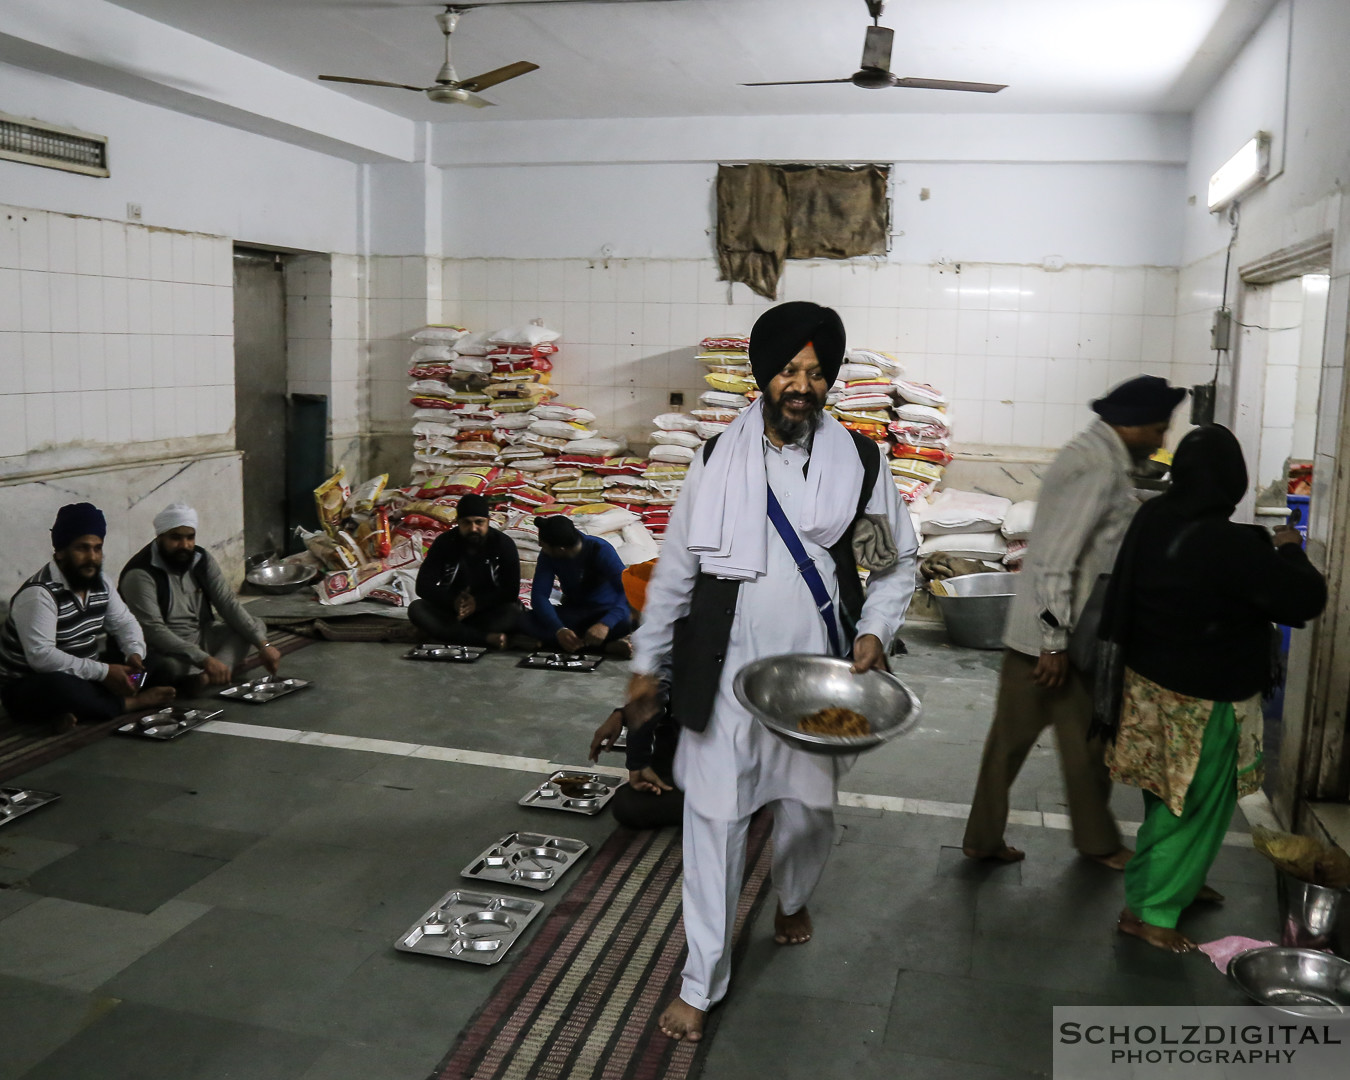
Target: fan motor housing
[873, 79]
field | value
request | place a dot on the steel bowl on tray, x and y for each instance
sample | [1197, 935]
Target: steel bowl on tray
[1303, 982]
[782, 690]
[281, 577]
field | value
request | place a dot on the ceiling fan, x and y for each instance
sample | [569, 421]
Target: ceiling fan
[875, 71]
[449, 89]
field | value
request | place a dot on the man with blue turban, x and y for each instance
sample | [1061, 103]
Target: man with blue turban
[49, 666]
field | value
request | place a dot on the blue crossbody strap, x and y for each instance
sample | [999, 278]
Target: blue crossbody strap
[807, 569]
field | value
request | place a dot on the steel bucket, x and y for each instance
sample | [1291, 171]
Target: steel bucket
[1313, 916]
[975, 608]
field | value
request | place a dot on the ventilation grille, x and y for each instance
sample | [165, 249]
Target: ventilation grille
[36, 143]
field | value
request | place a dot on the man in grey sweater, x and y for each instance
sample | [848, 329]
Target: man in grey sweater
[1086, 503]
[176, 590]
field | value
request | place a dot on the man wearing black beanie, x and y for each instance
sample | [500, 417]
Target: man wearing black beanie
[468, 588]
[1086, 504]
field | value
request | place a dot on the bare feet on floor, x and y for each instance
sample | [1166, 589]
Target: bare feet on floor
[681, 1021]
[1160, 937]
[1207, 895]
[1003, 854]
[65, 723]
[496, 642]
[622, 649]
[792, 929]
[153, 698]
[1115, 861]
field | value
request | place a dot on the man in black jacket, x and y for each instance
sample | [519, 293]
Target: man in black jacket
[469, 586]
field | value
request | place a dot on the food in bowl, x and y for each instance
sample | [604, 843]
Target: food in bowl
[835, 721]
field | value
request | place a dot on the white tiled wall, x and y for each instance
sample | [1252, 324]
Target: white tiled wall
[1020, 350]
[325, 336]
[110, 335]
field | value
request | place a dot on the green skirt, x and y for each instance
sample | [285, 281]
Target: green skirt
[1173, 853]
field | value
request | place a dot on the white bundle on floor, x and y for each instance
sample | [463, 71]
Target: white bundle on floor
[963, 512]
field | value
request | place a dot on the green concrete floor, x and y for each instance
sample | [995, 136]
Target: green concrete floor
[225, 907]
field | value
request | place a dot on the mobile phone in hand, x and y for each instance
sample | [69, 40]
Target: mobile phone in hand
[136, 678]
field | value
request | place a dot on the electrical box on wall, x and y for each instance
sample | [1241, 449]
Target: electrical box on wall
[1221, 330]
[1202, 403]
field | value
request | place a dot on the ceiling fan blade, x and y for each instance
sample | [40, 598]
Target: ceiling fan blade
[798, 82]
[497, 75]
[948, 84]
[370, 82]
[475, 101]
[877, 48]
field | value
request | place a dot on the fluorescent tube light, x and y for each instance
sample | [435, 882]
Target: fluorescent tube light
[1241, 172]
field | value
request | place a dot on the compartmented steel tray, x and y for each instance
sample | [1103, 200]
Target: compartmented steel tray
[554, 661]
[16, 801]
[167, 723]
[533, 860]
[574, 790]
[261, 691]
[478, 928]
[453, 654]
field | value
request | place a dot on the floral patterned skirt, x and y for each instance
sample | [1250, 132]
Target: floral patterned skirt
[1161, 733]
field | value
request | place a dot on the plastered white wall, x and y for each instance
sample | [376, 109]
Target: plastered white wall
[184, 172]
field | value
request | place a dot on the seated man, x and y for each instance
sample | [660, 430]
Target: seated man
[49, 667]
[176, 589]
[594, 607]
[469, 585]
[650, 799]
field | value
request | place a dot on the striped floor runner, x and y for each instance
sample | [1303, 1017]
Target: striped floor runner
[583, 997]
[26, 746]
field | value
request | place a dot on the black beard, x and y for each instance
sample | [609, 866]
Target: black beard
[84, 575]
[791, 431]
[179, 560]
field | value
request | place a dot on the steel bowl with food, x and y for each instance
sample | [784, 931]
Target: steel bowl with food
[782, 691]
[281, 577]
[1303, 982]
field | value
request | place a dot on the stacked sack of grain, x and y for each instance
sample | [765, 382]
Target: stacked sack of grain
[964, 524]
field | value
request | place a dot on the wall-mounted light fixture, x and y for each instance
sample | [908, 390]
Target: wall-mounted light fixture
[1241, 172]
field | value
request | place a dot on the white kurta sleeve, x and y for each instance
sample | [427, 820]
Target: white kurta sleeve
[889, 592]
[671, 586]
[34, 614]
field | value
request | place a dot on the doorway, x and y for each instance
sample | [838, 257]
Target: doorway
[260, 395]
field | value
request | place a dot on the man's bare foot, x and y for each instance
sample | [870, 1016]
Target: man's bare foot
[1160, 937]
[1114, 861]
[496, 642]
[65, 723]
[1003, 854]
[152, 698]
[681, 1021]
[792, 929]
[1207, 895]
[622, 649]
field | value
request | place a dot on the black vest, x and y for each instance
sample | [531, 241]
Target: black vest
[143, 560]
[699, 645]
[78, 625]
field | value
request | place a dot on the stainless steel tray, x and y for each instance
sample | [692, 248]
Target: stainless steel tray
[167, 723]
[596, 791]
[478, 928]
[553, 661]
[532, 860]
[15, 802]
[261, 691]
[453, 654]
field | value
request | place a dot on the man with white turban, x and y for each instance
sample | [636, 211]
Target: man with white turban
[176, 591]
[728, 591]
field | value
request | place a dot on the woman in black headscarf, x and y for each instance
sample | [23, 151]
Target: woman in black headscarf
[1190, 607]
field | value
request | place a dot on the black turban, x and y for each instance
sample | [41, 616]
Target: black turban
[1143, 400]
[557, 531]
[784, 331]
[75, 520]
[473, 506]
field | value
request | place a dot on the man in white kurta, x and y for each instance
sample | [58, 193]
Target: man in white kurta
[735, 766]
